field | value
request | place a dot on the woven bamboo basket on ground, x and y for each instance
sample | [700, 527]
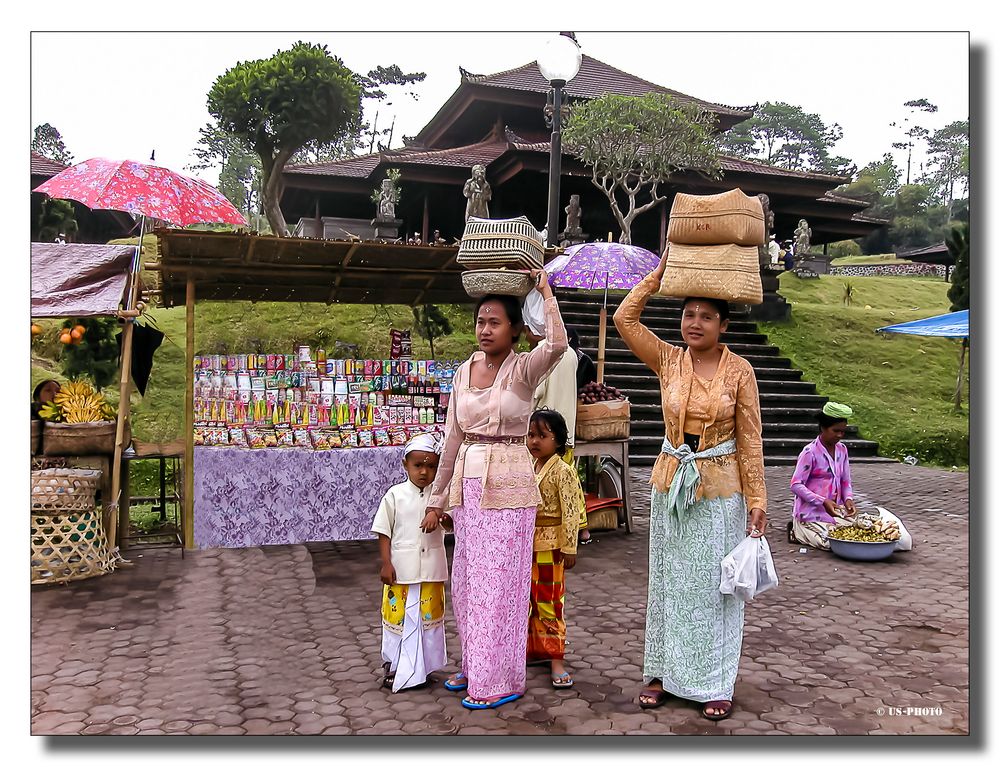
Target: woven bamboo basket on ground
[492, 243]
[36, 436]
[484, 282]
[92, 438]
[716, 219]
[728, 272]
[603, 519]
[603, 421]
[58, 491]
[68, 547]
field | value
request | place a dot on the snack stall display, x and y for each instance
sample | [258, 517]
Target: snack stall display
[292, 449]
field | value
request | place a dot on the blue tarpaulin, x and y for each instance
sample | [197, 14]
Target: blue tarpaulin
[953, 325]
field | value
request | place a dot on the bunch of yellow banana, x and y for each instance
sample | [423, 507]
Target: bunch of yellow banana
[77, 402]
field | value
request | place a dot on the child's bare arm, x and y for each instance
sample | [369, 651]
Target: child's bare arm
[387, 572]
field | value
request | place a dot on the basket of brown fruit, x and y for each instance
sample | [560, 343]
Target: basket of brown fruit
[602, 413]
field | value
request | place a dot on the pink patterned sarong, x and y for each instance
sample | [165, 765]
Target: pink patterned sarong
[490, 587]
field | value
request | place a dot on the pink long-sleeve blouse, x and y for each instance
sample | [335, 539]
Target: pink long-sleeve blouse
[503, 409]
[819, 477]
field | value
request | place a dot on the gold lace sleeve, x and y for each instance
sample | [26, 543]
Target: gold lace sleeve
[749, 446]
[570, 501]
[640, 339]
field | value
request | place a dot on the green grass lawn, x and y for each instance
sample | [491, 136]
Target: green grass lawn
[900, 387]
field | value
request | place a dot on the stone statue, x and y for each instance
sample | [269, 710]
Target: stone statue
[573, 213]
[438, 239]
[387, 201]
[478, 191]
[802, 235]
[763, 254]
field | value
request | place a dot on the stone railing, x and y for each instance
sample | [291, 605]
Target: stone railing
[889, 270]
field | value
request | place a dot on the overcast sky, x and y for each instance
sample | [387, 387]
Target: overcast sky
[151, 93]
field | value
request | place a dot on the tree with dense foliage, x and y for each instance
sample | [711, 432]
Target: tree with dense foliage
[632, 144]
[96, 356]
[430, 323]
[277, 106]
[958, 293]
[911, 130]
[948, 160]
[56, 221]
[786, 136]
[48, 142]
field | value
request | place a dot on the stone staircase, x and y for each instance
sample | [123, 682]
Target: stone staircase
[788, 404]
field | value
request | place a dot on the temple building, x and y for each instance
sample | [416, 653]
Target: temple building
[498, 121]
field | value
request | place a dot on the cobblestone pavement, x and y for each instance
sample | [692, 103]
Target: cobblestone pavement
[286, 639]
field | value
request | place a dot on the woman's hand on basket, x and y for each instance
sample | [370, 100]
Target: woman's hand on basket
[758, 523]
[658, 271]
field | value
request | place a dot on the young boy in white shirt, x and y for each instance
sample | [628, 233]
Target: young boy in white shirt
[414, 569]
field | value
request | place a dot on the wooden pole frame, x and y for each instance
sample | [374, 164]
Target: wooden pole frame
[187, 523]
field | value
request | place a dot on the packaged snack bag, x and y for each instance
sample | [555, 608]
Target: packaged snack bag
[300, 438]
[319, 440]
[349, 438]
[333, 435]
[284, 437]
[381, 437]
[237, 437]
[365, 438]
[397, 435]
[254, 438]
[199, 436]
[270, 438]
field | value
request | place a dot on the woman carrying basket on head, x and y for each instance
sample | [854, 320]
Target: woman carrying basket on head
[709, 473]
[487, 479]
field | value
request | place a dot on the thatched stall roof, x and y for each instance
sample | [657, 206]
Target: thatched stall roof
[229, 266]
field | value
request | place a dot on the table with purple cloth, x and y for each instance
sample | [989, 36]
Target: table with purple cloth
[257, 497]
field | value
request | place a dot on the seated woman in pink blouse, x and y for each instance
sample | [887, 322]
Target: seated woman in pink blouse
[824, 497]
[486, 478]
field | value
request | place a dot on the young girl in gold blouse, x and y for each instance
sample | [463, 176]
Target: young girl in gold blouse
[556, 525]
[709, 474]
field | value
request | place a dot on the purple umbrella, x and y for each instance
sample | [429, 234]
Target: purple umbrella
[602, 266]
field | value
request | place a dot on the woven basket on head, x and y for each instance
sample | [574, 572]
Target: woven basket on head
[68, 547]
[493, 243]
[729, 272]
[57, 491]
[484, 282]
[716, 219]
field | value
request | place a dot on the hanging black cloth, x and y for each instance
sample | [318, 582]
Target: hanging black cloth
[145, 341]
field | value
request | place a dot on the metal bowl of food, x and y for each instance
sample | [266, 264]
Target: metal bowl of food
[863, 551]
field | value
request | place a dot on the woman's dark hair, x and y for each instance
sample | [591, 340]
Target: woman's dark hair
[557, 425]
[721, 305]
[826, 421]
[511, 306]
[574, 339]
[38, 389]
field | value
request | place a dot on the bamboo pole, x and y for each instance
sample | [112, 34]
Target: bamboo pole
[602, 332]
[188, 511]
[121, 520]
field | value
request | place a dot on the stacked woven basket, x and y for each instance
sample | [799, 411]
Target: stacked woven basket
[495, 251]
[67, 537]
[713, 247]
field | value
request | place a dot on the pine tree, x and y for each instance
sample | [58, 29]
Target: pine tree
[48, 142]
[430, 323]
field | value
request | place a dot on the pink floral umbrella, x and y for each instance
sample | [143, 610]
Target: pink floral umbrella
[601, 266]
[142, 189]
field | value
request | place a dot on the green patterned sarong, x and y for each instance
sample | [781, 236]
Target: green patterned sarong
[694, 633]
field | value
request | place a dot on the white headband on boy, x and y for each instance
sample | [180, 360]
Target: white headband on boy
[426, 442]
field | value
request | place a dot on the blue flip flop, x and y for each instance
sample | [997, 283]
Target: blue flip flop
[492, 704]
[457, 687]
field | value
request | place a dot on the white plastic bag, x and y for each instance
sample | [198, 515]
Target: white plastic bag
[748, 569]
[905, 542]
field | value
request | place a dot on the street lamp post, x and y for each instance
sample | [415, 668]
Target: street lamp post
[559, 63]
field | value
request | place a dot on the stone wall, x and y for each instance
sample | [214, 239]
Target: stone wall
[889, 270]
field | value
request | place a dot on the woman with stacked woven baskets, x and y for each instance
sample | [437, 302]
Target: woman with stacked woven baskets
[487, 481]
[710, 471]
